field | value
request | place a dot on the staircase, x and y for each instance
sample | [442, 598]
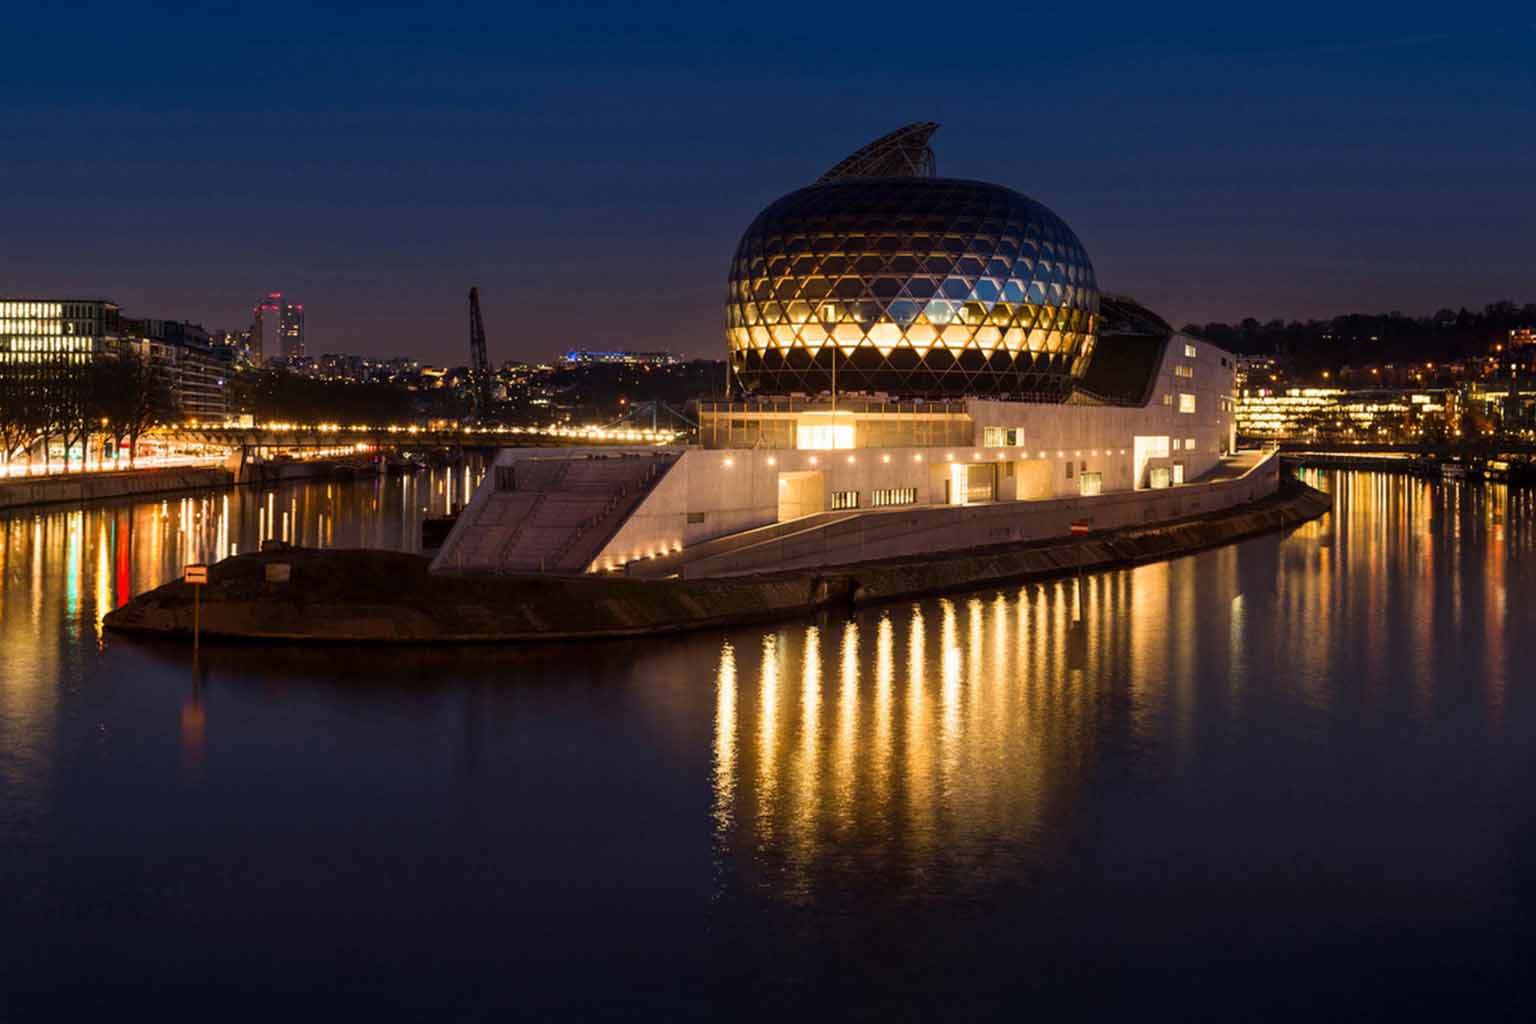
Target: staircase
[550, 515]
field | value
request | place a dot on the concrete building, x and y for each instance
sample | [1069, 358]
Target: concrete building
[196, 369]
[919, 364]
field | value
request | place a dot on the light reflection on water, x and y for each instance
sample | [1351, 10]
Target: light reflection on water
[1315, 741]
[62, 569]
[1009, 700]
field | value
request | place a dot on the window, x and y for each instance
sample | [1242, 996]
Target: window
[1158, 478]
[1178, 472]
[695, 517]
[1089, 484]
[1168, 398]
[1068, 464]
[1183, 371]
[1002, 437]
[1186, 402]
[844, 500]
[1189, 444]
[893, 496]
[1189, 350]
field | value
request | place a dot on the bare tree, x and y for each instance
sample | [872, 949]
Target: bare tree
[132, 396]
[15, 431]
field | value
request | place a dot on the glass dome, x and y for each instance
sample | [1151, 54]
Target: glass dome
[910, 286]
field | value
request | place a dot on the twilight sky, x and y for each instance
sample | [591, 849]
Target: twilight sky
[591, 165]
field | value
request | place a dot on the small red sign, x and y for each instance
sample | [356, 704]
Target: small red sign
[1080, 528]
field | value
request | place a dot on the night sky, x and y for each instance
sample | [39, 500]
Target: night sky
[590, 166]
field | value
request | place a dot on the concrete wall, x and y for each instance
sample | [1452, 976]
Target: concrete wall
[920, 531]
[714, 492]
[79, 487]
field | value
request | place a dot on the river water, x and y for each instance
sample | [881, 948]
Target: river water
[1291, 777]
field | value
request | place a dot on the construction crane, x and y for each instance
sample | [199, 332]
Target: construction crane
[480, 367]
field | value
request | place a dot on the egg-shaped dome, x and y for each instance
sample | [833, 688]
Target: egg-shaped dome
[911, 286]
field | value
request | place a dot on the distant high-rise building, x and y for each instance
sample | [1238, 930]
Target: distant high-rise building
[291, 328]
[277, 329]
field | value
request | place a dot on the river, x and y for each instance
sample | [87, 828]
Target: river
[1291, 777]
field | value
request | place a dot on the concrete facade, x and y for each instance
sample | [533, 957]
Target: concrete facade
[1026, 466]
[1061, 451]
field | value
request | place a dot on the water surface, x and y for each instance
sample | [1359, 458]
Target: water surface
[1294, 776]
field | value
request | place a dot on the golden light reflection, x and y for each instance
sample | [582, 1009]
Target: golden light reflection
[978, 736]
[725, 738]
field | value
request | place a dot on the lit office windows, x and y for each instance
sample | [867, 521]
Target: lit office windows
[1186, 402]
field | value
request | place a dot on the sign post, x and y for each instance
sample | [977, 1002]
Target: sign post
[197, 576]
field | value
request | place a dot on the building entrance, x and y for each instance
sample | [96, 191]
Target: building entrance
[801, 493]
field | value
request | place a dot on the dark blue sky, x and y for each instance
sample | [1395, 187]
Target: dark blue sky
[591, 166]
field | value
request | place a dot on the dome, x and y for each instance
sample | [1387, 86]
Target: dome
[915, 287]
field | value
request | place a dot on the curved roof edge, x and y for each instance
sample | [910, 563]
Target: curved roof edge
[903, 153]
[1127, 353]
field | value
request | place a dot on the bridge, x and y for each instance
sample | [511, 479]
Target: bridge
[331, 436]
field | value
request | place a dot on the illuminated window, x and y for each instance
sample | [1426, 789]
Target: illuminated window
[1183, 371]
[844, 500]
[1189, 351]
[893, 496]
[1186, 402]
[1189, 444]
[1089, 484]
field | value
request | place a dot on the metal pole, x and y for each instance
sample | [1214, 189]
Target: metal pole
[197, 592]
[834, 394]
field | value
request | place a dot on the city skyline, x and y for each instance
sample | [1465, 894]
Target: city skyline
[1254, 166]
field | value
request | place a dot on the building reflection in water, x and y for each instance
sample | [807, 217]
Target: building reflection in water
[62, 569]
[930, 737]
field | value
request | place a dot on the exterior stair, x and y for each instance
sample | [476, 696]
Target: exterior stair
[550, 514]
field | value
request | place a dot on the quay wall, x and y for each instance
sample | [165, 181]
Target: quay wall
[356, 596]
[82, 487]
[78, 488]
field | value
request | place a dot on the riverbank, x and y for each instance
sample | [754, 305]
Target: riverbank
[1518, 471]
[80, 488]
[76, 488]
[363, 596]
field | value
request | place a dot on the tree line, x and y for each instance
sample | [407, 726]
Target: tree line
[106, 400]
[1358, 339]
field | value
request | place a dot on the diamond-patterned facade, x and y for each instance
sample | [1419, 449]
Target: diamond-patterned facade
[911, 286]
